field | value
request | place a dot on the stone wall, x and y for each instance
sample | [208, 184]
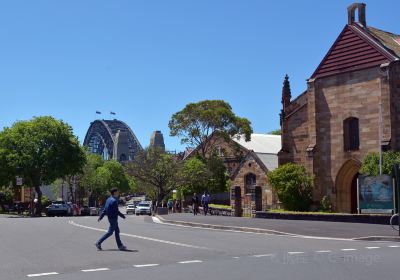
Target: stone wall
[250, 165]
[354, 94]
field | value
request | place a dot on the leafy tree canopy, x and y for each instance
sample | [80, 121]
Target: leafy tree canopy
[370, 165]
[198, 121]
[275, 132]
[157, 170]
[40, 150]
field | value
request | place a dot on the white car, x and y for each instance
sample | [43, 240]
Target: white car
[130, 208]
[143, 207]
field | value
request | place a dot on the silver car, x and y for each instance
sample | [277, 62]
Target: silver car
[130, 208]
[143, 207]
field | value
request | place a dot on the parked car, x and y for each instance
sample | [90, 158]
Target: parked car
[85, 211]
[143, 207]
[130, 208]
[59, 208]
[94, 211]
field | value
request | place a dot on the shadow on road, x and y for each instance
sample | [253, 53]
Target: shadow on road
[117, 250]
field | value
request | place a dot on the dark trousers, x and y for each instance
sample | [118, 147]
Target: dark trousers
[205, 208]
[113, 228]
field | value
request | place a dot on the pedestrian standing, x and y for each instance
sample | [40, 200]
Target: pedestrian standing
[195, 204]
[111, 210]
[170, 205]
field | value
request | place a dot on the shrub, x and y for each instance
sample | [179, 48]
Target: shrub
[293, 186]
[326, 204]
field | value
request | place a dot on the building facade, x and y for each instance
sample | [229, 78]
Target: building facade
[351, 107]
[248, 164]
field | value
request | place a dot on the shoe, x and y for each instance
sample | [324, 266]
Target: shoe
[98, 246]
[122, 248]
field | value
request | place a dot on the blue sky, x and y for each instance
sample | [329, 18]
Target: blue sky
[145, 59]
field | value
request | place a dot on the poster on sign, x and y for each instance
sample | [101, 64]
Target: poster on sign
[375, 194]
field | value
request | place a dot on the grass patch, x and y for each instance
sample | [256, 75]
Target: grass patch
[281, 211]
[222, 206]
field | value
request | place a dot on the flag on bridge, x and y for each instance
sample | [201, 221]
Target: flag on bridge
[98, 112]
[112, 113]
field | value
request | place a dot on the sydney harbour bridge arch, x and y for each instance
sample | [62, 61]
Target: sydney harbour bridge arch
[112, 139]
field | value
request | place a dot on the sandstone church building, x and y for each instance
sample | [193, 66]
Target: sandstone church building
[331, 126]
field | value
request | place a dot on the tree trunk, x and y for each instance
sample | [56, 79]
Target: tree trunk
[38, 210]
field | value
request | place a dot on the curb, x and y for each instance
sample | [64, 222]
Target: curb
[274, 232]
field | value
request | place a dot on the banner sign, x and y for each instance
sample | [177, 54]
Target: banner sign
[376, 194]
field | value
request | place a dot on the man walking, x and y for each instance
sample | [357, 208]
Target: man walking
[195, 204]
[112, 212]
[205, 200]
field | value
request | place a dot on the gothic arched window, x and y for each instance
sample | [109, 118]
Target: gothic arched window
[351, 134]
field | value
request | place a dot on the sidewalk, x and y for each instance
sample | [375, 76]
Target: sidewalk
[293, 227]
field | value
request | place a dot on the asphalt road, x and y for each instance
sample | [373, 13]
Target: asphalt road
[63, 248]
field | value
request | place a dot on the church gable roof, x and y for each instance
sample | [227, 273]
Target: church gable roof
[357, 48]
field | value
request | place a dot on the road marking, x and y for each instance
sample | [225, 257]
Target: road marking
[372, 247]
[348, 249]
[273, 232]
[324, 251]
[146, 265]
[394, 246]
[295, 253]
[264, 255]
[236, 257]
[42, 274]
[95, 269]
[142, 237]
[193, 261]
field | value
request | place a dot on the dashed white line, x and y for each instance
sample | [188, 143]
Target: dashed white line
[348, 249]
[146, 265]
[324, 251]
[264, 255]
[95, 269]
[236, 257]
[42, 274]
[193, 261]
[394, 246]
[295, 253]
[372, 247]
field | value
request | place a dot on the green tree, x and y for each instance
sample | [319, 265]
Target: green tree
[157, 170]
[42, 150]
[218, 182]
[195, 176]
[112, 174]
[275, 132]
[370, 165]
[198, 121]
[293, 186]
[6, 197]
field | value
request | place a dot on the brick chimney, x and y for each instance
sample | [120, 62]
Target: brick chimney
[351, 11]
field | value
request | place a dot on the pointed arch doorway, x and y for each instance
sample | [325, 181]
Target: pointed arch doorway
[346, 186]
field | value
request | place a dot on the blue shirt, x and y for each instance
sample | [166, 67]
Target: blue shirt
[111, 209]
